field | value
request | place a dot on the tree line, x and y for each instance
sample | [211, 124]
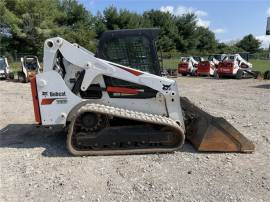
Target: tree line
[25, 24]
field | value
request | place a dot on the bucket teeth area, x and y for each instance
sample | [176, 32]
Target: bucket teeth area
[212, 134]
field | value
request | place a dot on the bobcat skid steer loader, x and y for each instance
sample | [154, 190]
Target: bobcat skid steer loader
[205, 132]
[235, 66]
[208, 67]
[188, 66]
[29, 68]
[109, 108]
[4, 68]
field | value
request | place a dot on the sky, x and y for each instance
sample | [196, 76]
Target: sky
[229, 19]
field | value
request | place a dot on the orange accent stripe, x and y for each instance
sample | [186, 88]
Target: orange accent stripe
[35, 99]
[132, 71]
[111, 89]
[47, 101]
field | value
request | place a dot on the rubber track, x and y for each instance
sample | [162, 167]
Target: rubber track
[127, 114]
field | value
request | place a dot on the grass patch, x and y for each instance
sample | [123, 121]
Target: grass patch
[171, 63]
[15, 66]
[260, 65]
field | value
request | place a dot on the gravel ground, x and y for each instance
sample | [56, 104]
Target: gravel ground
[35, 165]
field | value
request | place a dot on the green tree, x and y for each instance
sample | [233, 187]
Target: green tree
[100, 25]
[130, 20]
[186, 26]
[168, 29]
[206, 41]
[25, 24]
[249, 43]
[76, 24]
[225, 48]
[112, 19]
[30, 22]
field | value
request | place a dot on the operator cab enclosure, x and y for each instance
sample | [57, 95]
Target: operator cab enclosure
[30, 63]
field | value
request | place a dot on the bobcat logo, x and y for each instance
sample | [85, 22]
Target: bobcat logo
[44, 93]
[57, 94]
[166, 87]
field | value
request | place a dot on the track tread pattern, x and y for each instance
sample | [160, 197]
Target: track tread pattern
[127, 114]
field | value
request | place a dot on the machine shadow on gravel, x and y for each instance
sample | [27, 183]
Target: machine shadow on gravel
[31, 136]
[53, 140]
[265, 86]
